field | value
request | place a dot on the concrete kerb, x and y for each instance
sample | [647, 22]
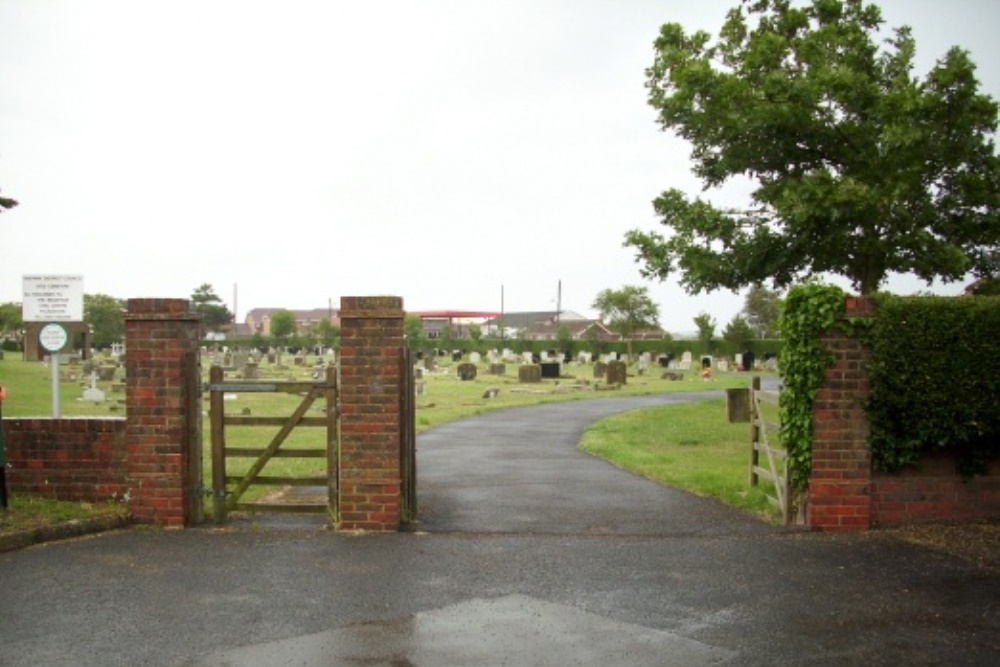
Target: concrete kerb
[63, 531]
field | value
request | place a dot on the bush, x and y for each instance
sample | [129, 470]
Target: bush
[935, 381]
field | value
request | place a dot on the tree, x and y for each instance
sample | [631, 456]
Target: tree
[762, 311]
[106, 317]
[627, 311]
[738, 332]
[860, 169]
[282, 323]
[413, 329]
[326, 333]
[706, 329]
[11, 320]
[214, 313]
[6, 203]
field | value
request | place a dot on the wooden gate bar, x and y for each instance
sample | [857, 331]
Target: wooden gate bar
[217, 416]
[332, 445]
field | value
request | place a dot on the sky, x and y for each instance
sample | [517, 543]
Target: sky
[460, 154]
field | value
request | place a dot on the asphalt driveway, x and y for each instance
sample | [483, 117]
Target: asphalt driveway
[528, 553]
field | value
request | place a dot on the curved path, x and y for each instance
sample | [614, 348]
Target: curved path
[530, 552]
[520, 471]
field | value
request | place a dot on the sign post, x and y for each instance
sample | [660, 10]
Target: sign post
[53, 338]
[53, 299]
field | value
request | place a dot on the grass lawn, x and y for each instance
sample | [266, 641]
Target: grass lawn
[690, 446]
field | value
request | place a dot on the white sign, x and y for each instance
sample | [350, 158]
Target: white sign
[53, 337]
[53, 298]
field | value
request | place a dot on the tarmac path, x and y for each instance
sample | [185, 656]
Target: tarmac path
[529, 552]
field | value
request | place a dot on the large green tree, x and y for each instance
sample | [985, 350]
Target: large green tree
[282, 323]
[106, 317]
[857, 167]
[214, 314]
[627, 311]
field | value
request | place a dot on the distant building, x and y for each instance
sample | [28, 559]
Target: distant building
[258, 320]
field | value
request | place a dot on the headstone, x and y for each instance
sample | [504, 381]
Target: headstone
[527, 358]
[685, 361]
[643, 366]
[529, 373]
[550, 370]
[722, 365]
[491, 392]
[474, 358]
[498, 369]
[748, 359]
[430, 362]
[466, 371]
[600, 368]
[420, 388]
[673, 376]
[616, 373]
[251, 371]
[92, 393]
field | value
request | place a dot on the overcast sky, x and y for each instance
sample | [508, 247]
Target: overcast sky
[289, 153]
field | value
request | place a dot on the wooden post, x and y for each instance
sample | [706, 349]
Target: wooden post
[216, 410]
[332, 446]
[754, 430]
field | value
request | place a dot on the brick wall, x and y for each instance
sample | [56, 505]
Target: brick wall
[152, 457]
[67, 459]
[932, 491]
[844, 493]
[371, 337]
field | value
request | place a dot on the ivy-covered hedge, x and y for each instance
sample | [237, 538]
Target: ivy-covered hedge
[935, 381]
[934, 376]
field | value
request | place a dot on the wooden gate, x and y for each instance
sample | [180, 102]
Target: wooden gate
[228, 490]
[764, 437]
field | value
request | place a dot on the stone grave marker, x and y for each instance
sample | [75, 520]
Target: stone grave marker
[92, 393]
[616, 373]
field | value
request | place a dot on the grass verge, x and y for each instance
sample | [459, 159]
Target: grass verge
[690, 446]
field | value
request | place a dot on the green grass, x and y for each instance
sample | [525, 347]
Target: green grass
[31, 512]
[690, 446]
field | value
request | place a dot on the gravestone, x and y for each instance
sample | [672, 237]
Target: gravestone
[550, 370]
[685, 361]
[92, 393]
[600, 368]
[722, 365]
[748, 359]
[251, 371]
[498, 369]
[466, 371]
[529, 373]
[616, 373]
[474, 358]
[527, 358]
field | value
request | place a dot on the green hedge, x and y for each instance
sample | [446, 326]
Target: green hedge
[935, 381]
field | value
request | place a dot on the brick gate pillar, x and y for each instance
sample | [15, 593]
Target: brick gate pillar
[163, 416]
[371, 342]
[839, 496]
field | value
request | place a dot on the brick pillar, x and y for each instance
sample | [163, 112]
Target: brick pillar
[371, 342]
[162, 431]
[839, 496]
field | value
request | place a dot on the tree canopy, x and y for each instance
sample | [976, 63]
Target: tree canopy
[627, 311]
[106, 317]
[6, 203]
[859, 168]
[282, 323]
[207, 303]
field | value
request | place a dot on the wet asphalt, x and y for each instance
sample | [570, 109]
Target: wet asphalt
[528, 552]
